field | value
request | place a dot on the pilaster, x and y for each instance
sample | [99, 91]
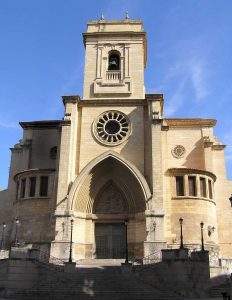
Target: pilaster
[66, 175]
[155, 215]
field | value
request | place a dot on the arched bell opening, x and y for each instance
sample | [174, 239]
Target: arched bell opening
[114, 61]
[109, 195]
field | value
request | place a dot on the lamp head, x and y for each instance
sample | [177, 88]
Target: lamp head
[230, 199]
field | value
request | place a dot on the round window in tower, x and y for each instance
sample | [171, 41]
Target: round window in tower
[112, 128]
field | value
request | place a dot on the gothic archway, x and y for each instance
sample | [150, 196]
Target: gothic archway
[107, 192]
[88, 171]
[110, 200]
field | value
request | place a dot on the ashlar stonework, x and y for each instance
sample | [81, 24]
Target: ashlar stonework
[114, 158]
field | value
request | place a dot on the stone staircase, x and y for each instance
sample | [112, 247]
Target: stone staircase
[93, 281]
[105, 279]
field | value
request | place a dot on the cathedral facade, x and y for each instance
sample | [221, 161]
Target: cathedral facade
[114, 169]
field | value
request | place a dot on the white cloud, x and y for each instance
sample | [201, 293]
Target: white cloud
[184, 76]
[176, 101]
[198, 71]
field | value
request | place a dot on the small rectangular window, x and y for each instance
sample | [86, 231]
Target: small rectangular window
[43, 186]
[179, 185]
[203, 187]
[23, 188]
[210, 189]
[192, 186]
[32, 186]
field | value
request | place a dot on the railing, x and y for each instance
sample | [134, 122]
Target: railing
[152, 258]
[46, 259]
[113, 75]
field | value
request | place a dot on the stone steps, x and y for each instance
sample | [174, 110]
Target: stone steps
[97, 282]
[85, 263]
[97, 295]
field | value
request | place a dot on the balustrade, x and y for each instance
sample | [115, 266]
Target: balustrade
[113, 75]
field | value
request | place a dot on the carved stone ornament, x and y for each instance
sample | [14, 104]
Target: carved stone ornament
[178, 151]
[112, 128]
[110, 200]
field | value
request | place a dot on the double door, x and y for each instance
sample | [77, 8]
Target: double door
[110, 240]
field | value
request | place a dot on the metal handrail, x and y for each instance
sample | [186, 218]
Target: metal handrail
[45, 257]
[151, 258]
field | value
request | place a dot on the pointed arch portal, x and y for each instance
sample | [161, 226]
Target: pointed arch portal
[109, 191]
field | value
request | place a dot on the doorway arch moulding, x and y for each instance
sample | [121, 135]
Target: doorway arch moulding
[88, 168]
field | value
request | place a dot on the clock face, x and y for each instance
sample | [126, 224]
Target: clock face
[112, 128]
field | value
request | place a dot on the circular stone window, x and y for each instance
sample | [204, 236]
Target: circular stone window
[178, 151]
[112, 127]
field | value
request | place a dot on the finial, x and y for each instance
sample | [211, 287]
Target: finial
[127, 15]
[102, 17]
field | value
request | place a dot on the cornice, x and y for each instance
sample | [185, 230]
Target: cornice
[34, 171]
[194, 198]
[71, 99]
[183, 171]
[125, 21]
[112, 102]
[112, 33]
[45, 124]
[218, 147]
[195, 122]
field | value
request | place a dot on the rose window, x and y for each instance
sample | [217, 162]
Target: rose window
[178, 151]
[112, 127]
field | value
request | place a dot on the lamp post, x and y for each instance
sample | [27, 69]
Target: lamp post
[3, 235]
[202, 237]
[230, 199]
[16, 242]
[181, 233]
[126, 245]
[71, 241]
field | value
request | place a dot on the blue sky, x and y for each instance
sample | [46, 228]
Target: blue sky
[42, 55]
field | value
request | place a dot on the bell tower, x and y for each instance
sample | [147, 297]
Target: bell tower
[115, 60]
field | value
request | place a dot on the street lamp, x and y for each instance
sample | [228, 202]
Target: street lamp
[16, 242]
[202, 237]
[230, 199]
[71, 241]
[126, 260]
[3, 235]
[181, 233]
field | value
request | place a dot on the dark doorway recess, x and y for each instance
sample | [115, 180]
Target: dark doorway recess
[110, 240]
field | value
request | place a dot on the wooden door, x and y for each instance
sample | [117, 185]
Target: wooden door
[110, 240]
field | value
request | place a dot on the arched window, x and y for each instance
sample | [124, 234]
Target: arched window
[114, 61]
